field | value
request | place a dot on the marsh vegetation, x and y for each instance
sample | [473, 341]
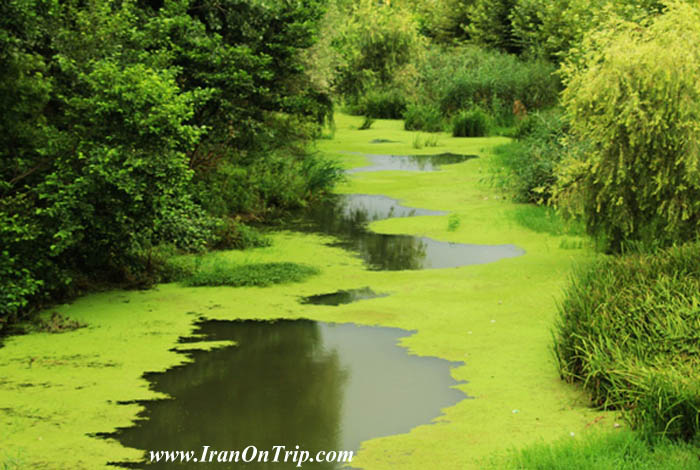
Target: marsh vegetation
[142, 141]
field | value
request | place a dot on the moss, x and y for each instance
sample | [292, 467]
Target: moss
[494, 317]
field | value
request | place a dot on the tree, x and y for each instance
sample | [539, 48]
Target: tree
[633, 99]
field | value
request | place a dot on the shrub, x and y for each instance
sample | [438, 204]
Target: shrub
[367, 123]
[383, 104]
[640, 176]
[551, 29]
[426, 118]
[628, 331]
[373, 41]
[472, 123]
[463, 77]
[527, 166]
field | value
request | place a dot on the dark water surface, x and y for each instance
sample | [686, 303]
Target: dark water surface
[342, 297]
[410, 162]
[292, 382]
[346, 218]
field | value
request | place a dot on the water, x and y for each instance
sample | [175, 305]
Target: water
[319, 386]
[292, 382]
[345, 217]
[410, 162]
[342, 297]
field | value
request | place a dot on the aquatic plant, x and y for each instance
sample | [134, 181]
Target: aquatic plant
[222, 273]
[472, 123]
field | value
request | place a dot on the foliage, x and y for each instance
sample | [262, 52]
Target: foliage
[639, 178]
[374, 42]
[472, 123]
[490, 25]
[383, 104]
[221, 273]
[462, 77]
[527, 167]
[616, 450]
[444, 21]
[453, 222]
[116, 114]
[628, 331]
[428, 118]
[552, 29]
[366, 123]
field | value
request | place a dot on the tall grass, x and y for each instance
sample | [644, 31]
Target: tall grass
[382, 104]
[221, 273]
[460, 78]
[629, 331]
[213, 270]
[620, 450]
[472, 123]
[428, 118]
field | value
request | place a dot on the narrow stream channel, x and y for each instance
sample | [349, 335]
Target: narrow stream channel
[316, 385]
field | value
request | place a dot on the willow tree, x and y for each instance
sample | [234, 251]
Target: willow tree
[633, 98]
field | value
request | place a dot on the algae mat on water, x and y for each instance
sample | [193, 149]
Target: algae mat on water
[58, 390]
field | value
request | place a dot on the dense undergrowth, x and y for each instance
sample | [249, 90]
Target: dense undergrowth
[629, 331]
[117, 156]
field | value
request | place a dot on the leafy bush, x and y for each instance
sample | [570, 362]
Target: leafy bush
[101, 139]
[639, 178]
[426, 118]
[552, 29]
[221, 273]
[498, 82]
[472, 123]
[490, 25]
[383, 104]
[462, 77]
[527, 167]
[374, 41]
[628, 331]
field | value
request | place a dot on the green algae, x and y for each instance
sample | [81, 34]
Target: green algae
[58, 391]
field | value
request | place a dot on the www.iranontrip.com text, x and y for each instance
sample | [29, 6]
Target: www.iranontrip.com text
[250, 454]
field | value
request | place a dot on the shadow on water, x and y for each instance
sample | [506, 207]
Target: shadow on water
[342, 297]
[346, 217]
[410, 162]
[291, 382]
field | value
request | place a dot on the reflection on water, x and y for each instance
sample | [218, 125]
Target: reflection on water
[292, 382]
[410, 162]
[346, 217]
[342, 297]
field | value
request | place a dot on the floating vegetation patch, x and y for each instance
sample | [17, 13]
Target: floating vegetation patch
[56, 323]
[223, 273]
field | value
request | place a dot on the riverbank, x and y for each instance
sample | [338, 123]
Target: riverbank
[58, 389]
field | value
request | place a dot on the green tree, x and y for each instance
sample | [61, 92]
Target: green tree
[633, 98]
[375, 42]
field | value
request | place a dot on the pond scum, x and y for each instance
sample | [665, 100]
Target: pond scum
[58, 391]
